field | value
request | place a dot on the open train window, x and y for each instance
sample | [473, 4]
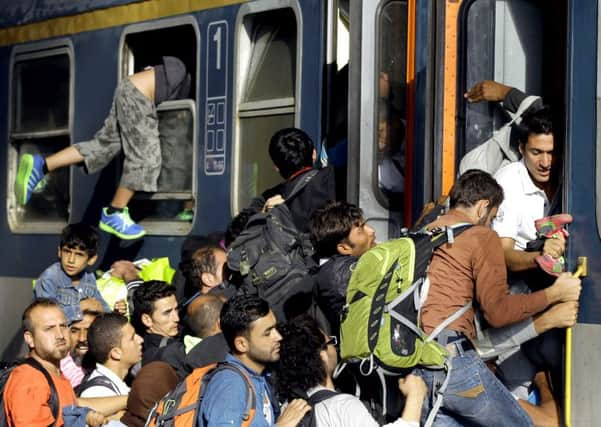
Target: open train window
[40, 123]
[391, 104]
[518, 43]
[170, 210]
[266, 96]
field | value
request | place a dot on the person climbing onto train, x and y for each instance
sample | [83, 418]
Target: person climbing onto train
[293, 154]
[473, 268]
[531, 235]
[531, 187]
[132, 128]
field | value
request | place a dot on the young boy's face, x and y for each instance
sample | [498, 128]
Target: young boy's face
[74, 260]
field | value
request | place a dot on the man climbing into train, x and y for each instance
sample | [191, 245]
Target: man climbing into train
[132, 128]
[531, 236]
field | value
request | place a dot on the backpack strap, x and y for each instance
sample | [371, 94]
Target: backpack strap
[524, 106]
[321, 395]
[302, 182]
[53, 401]
[251, 400]
[97, 381]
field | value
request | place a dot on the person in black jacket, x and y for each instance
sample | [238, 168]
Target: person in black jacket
[340, 236]
[293, 154]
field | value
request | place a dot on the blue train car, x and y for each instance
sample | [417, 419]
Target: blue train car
[376, 83]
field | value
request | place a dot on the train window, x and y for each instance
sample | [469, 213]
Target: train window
[40, 99]
[175, 193]
[267, 100]
[170, 210]
[391, 103]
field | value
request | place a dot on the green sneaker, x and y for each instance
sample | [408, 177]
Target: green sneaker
[185, 215]
[29, 175]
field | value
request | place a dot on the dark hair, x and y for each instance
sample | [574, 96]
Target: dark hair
[203, 318]
[291, 149]
[237, 225]
[144, 298]
[300, 366]
[80, 236]
[238, 313]
[331, 225]
[26, 323]
[203, 261]
[535, 122]
[475, 185]
[105, 334]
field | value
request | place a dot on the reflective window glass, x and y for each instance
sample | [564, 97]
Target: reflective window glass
[272, 67]
[391, 102]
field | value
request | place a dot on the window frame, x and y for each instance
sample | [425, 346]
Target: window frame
[34, 51]
[166, 227]
[379, 194]
[270, 107]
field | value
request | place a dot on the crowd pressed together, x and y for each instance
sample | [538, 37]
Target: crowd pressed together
[91, 363]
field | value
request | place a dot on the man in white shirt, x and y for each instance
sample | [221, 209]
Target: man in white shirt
[307, 360]
[116, 347]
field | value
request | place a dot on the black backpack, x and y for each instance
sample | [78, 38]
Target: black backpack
[309, 419]
[52, 401]
[97, 381]
[270, 258]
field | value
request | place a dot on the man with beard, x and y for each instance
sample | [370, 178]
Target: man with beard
[249, 327]
[71, 365]
[28, 396]
[467, 275]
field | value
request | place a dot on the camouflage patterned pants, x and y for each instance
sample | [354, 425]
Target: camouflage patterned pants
[131, 126]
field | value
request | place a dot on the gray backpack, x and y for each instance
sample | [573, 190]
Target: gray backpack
[270, 258]
[492, 155]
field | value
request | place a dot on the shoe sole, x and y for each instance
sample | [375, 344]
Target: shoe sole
[23, 174]
[114, 232]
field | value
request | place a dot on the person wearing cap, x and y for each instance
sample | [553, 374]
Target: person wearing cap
[132, 128]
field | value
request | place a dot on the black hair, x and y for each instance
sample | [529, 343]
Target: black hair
[238, 313]
[332, 224]
[105, 334]
[300, 366]
[26, 323]
[203, 318]
[203, 261]
[535, 122]
[291, 149]
[237, 225]
[475, 185]
[80, 236]
[144, 298]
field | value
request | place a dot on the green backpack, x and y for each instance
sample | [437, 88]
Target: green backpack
[380, 321]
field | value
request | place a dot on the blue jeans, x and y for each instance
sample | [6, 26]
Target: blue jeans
[474, 396]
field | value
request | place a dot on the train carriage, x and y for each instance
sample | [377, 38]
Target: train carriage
[377, 84]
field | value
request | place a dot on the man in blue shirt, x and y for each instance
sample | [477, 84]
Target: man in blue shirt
[249, 327]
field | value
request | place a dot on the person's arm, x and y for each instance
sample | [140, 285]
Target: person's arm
[105, 405]
[414, 389]
[293, 414]
[517, 260]
[489, 90]
[498, 306]
[45, 287]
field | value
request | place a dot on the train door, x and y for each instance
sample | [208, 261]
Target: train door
[387, 171]
[583, 194]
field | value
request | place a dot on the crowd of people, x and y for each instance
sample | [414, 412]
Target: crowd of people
[93, 363]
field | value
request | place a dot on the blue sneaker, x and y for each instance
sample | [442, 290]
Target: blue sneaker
[121, 225]
[30, 173]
